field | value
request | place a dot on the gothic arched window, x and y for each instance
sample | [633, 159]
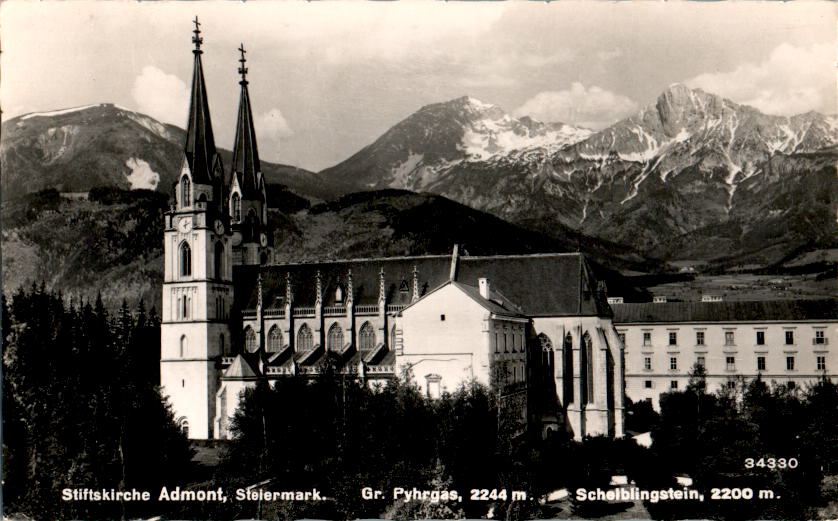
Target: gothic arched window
[219, 260]
[185, 191]
[222, 348]
[274, 340]
[249, 340]
[236, 204]
[334, 341]
[304, 338]
[185, 259]
[184, 346]
[366, 337]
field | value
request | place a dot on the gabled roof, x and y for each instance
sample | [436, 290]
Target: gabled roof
[492, 305]
[726, 311]
[200, 143]
[241, 369]
[552, 284]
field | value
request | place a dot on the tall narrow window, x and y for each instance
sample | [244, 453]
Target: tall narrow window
[699, 338]
[789, 338]
[274, 340]
[729, 338]
[673, 364]
[589, 369]
[673, 338]
[647, 363]
[700, 361]
[304, 338]
[185, 191]
[250, 339]
[790, 363]
[185, 259]
[222, 347]
[334, 341]
[236, 204]
[647, 338]
[819, 338]
[219, 260]
[760, 363]
[184, 346]
[730, 363]
[567, 368]
[760, 338]
[366, 338]
[184, 312]
[821, 363]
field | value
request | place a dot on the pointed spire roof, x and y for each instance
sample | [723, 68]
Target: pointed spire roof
[240, 368]
[200, 144]
[245, 152]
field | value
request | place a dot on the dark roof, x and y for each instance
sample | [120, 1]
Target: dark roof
[726, 311]
[552, 284]
[200, 144]
[246, 164]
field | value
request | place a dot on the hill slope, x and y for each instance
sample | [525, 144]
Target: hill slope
[112, 242]
[74, 150]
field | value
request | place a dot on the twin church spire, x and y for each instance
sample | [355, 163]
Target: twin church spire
[245, 152]
[201, 154]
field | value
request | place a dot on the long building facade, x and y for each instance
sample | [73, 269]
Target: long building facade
[536, 326]
[787, 342]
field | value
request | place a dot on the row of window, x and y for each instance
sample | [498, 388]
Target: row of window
[730, 363]
[510, 341]
[305, 338]
[819, 338]
[730, 384]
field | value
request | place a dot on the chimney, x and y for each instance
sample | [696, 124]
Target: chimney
[455, 260]
[484, 286]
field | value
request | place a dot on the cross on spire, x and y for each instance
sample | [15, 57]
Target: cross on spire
[197, 40]
[243, 60]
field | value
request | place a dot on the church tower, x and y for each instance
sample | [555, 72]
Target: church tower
[197, 279]
[248, 200]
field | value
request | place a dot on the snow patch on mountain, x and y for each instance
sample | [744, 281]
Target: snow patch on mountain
[488, 137]
[141, 176]
[401, 174]
[149, 124]
[60, 112]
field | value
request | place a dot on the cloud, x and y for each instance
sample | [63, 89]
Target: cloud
[272, 125]
[592, 107]
[790, 81]
[161, 96]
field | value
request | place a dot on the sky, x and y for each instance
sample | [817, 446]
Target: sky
[328, 77]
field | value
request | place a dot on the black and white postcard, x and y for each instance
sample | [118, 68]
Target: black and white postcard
[419, 260]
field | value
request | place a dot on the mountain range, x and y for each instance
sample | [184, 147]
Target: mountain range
[74, 150]
[690, 176]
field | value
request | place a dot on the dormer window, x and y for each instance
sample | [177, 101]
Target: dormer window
[185, 191]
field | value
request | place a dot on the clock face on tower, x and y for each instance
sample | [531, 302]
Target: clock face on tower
[219, 227]
[185, 224]
[263, 239]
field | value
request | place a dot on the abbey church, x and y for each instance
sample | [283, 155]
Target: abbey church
[536, 326]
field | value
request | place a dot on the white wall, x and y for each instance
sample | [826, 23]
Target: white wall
[744, 350]
[456, 348]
